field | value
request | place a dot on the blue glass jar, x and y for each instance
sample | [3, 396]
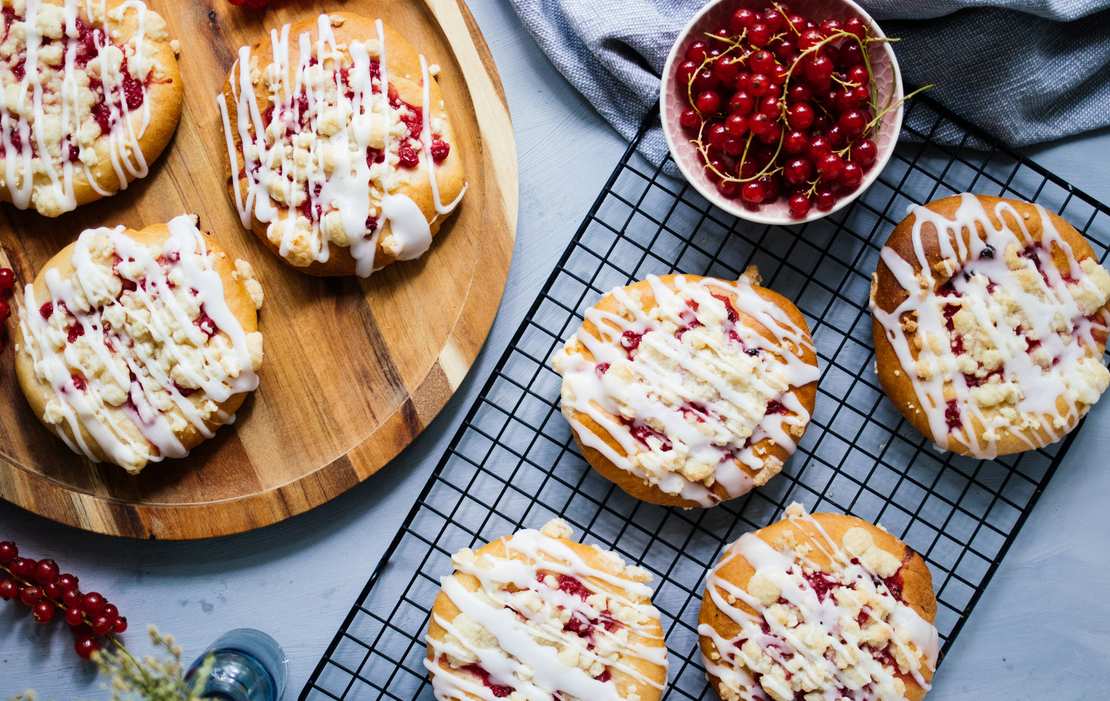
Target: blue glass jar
[247, 665]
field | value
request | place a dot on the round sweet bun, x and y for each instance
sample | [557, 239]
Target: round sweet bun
[405, 76]
[103, 163]
[42, 320]
[978, 339]
[873, 572]
[536, 591]
[760, 312]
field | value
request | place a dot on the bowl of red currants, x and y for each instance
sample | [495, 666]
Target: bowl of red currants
[781, 113]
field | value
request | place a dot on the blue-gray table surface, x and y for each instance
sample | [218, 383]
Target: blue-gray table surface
[1042, 630]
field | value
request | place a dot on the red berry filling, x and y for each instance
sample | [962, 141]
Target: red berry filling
[498, 690]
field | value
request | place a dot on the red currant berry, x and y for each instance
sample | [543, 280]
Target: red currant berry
[102, 625]
[818, 147]
[737, 124]
[826, 200]
[53, 591]
[697, 52]
[850, 55]
[46, 571]
[93, 603]
[728, 188]
[799, 205]
[762, 62]
[85, 646]
[686, 71]
[708, 102]
[30, 596]
[829, 166]
[8, 552]
[72, 597]
[759, 124]
[800, 93]
[797, 171]
[8, 589]
[761, 85]
[836, 136]
[829, 26]
[74, 616]
[864, 152]
[704, 80]
[773, 19]
[759, 34]
[786, 49]
[119, 625]
[689, 120]
[7, 280]
[856, 26]
[818, 71]
[741, 103]
[22, 567]
[795, 143]
[717, 135]
[800, 115]
[733, 146]
[852, 122]
[858, 75]
[726, 69]
[770, 106]
[741, 20]
[770, 189]
[110, 611]
[851, 175]
[771, 134]
[753, 192]
[809, 39]
[43, 612]
[5, 310]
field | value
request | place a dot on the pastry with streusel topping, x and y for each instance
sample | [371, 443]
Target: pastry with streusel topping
[990, 323]
[135, 346]
[688, 391]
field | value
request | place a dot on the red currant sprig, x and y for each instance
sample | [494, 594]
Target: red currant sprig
[45, 589]
[7, 288]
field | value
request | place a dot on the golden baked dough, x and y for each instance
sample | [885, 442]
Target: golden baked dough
[990, 330]
[338, 176]
[575, 616]
[686, 390]
[819, 603]
[134, 346]
[75, 130]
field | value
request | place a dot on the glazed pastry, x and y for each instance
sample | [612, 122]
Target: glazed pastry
[990, 320]
[91, 96]
[688, 391]
[538, 616]
[341, 154]
[135, 346]
[819, 607]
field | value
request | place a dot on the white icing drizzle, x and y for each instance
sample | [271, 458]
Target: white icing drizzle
[801, 641]
[993, 350]
[50, 109]
[329, 166]
[137, 345]
[544, 624]
[684, 389]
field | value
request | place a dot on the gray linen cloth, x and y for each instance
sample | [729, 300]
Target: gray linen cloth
[1026, 71]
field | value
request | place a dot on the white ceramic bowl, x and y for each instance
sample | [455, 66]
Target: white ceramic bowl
[672, 101]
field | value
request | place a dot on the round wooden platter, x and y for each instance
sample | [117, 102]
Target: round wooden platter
[354, 370]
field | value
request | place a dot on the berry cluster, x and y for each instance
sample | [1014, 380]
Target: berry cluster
[45, 589]
[782, 106]
[7, 288]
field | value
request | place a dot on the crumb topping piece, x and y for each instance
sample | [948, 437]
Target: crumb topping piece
[322, 148]
[74, 93]
[690, 386]
[536, 620]
[998, 331]
[138, 345]
[837, 632]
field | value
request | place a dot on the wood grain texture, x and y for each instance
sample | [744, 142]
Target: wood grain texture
[354, 369]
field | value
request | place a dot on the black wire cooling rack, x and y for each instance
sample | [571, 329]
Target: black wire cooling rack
[513, 463]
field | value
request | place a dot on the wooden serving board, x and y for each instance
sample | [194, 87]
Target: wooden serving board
[354, 370]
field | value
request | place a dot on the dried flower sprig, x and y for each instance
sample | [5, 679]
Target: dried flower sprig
[151, 678]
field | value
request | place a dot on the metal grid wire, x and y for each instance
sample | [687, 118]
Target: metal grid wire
[513, 463]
